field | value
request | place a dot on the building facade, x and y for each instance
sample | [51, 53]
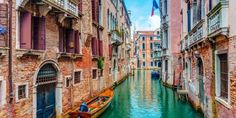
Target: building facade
[170, 35]
[56, 54]
[208, 54]
[148, 49]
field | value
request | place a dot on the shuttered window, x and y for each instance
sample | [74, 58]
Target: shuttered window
[69, 40]
[94, 46]
[25, 29]
[93, 10]
[77, 42]
[38, 33]
[32, 31]
[80, 5]
[100, 48]
[77, 77]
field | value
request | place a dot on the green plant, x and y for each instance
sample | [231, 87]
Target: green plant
[100, 63]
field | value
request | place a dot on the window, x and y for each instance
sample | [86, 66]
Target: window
[144, 56]
[151, 63]
[21, 91]
[32, 31]
[151, 38]
[143, 46]
[69, 40]
[222, 76]
[151, 46]
[67, 81]
[151, 55]
[144, 64]
[143, 38]
[94, 72]
[77, 77]
[80, 5]
[110, 71]
[97, 47]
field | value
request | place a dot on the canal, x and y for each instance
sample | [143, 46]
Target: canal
[142, 97]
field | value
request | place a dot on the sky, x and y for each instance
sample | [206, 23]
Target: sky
[141, 14]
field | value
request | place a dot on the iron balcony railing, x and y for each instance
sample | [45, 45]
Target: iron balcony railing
[68, 6]
[195, 35]
[218, 19]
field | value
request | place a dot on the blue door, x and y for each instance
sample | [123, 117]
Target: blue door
[46, 101]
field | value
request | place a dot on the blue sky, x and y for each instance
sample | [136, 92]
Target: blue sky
[141, 14]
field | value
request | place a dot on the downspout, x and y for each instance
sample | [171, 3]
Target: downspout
[10, 54]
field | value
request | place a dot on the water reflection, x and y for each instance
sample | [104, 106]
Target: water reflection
[140, 96]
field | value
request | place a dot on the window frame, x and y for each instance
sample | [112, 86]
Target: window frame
[26, 91]
[81, 76]
[225, 102]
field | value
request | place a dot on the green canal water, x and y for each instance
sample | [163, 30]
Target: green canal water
[142, 97]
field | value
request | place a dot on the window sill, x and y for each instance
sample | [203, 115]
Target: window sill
[223, 102]
[21, 100]
[69, 55]
[29, 52]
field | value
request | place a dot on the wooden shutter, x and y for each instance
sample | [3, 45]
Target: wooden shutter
[110, 50]
[42, 33]
[80, 5]
[4, 23]
[97, 11]
[25, 30]
[100, 48]
[35, 32]
[77, 42]
[94, 46]
[71, 41]
[93, 10]
[61, 39]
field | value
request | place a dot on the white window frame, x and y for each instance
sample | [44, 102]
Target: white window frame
[3, 91]
[81, 76]
[26, 91]
[217, 80]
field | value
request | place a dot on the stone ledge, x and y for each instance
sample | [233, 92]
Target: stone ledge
[29, 52]
[69, 55]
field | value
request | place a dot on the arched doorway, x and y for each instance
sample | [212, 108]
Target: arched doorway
[200, 79]
[46, 91]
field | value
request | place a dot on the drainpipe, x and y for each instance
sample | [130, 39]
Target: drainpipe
[10, 54]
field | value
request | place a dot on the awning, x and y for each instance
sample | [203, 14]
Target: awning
[3, 30]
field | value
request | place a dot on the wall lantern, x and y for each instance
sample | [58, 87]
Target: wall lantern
[196, 54]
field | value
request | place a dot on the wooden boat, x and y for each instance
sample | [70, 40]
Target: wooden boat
[96, 106]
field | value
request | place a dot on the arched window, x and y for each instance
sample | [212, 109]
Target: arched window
[47, 74]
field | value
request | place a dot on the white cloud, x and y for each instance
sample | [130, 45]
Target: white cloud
[151, 23]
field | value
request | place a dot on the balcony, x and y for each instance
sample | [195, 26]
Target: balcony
[156, 49]
[196, 34]
[69, 7]
[116, 38]
[218, 19]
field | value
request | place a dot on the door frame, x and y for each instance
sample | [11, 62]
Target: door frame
[58, 89]
[201, 100]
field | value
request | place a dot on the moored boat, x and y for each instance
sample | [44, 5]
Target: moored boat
[96, 106]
